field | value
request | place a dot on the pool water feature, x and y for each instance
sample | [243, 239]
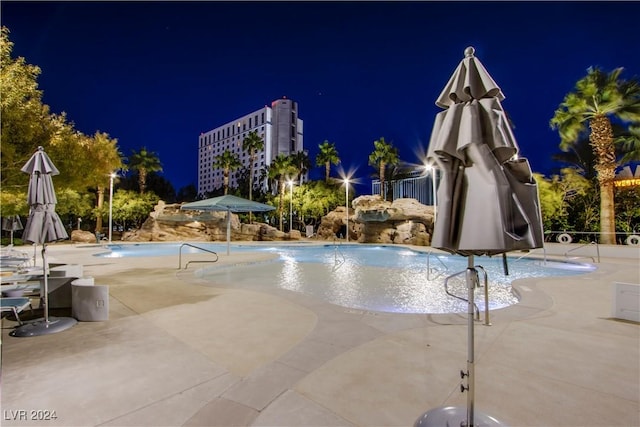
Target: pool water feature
[367, 277]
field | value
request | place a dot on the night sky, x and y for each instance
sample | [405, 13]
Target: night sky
[157, 74]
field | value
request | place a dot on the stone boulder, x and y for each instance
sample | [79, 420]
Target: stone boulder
[333, 224]
[81, 236]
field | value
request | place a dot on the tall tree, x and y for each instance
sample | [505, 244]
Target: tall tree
[282, 169]
[252, 143]
[107, 159]
[580, 156]
[599, 98]
[144, 161]
[326, 156]
[383, 155]
[302, 162]
[24, 119]
[227, 161]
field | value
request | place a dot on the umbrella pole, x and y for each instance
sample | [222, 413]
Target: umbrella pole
[46, 284]
[228, 230]
[459, 415]
[472, 279]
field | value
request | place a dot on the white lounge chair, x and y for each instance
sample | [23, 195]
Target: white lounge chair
[15, 305]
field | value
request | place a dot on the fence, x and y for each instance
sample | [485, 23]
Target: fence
[417, 186]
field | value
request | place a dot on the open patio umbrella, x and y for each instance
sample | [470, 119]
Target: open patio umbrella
[488, 199]
[12, 223]
[43, 226]
[227, 203]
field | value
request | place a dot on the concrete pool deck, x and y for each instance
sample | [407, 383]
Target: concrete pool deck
[178, 351]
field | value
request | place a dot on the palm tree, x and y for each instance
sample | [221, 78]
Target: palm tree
[301, 160]
[327, 155]
[227, 161]
[144, 161]
[280, 169]
[599, 97]
[579, 156]
[252, 143]
[384, 154]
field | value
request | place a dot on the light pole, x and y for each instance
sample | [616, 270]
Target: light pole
[290, 205]
[111, 177]
[432, 170]
[346, 204]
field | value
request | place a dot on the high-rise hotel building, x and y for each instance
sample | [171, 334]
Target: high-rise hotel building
[279, 127]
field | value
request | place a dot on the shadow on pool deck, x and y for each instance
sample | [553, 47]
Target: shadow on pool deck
[176, 353]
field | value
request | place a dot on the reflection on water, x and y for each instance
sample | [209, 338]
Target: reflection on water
[389, 281]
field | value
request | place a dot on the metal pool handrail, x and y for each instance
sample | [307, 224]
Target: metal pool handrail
[336, 263]
[544, 251]
[189, 262]
[566, 254]
[429, 266]
[486, 293]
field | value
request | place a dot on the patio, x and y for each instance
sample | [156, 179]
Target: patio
[180, 352]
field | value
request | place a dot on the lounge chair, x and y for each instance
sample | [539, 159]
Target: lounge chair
[16, 306]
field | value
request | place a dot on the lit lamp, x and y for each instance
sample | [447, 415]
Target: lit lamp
[432, 170]
[346, 204]
[290, 205]
[111, 177]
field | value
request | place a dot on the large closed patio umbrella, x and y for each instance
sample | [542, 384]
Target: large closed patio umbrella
[488, 199]
[227, 203]
[43, 226]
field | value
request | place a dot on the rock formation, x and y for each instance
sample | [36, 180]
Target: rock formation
[169, 223]
[373, 220]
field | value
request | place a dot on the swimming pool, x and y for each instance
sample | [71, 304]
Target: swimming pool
[368, 277]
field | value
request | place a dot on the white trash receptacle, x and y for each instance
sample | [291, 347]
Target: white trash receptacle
[89, 302]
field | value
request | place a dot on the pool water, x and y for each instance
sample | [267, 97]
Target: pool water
[368, 277]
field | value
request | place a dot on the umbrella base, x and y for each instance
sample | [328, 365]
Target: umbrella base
[42, 327]
[454, 416]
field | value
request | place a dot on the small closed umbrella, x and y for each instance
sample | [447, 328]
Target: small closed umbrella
[227, 203]
[43, 226]
[11, 224]
[488, 199]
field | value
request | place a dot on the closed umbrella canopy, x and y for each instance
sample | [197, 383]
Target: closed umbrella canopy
[43, 226]
[488, 199]
[227, 203]
[12, 223]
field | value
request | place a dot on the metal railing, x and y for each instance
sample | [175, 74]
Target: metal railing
[429, 269]
[566, 254]
[565, 236]
[189, 262]
[417, 186]
[476, 285]
[337, 263]
[532, 252]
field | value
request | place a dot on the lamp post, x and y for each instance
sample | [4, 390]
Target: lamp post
[290, 205]
[432, 170]
[346, 205]
[111, 177]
